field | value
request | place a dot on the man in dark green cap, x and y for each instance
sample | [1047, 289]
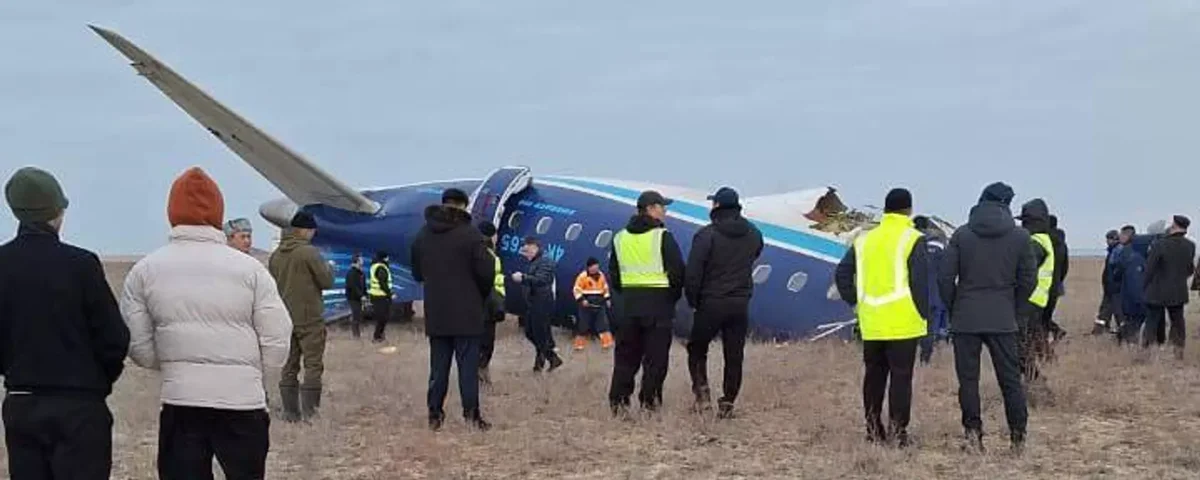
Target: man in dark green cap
[62, 341]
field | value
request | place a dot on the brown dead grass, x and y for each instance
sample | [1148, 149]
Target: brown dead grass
[800, 418]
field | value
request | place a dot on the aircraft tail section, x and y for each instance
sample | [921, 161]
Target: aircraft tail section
[295, 176]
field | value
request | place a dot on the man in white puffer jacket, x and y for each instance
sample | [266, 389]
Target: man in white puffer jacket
[211, 320]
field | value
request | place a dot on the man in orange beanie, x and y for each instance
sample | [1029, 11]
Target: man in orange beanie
[301, 275]
[210, 319]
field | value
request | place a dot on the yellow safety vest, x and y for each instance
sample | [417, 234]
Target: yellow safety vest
[639, 256]
[885, 306]
[376, 289]
[498, 281]
[1041, 294]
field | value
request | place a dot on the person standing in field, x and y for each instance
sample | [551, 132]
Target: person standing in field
[1062, 265]
[1108, 317]
[538, 282]
[451, 260]
[355, 290]
[718, 284]
[988, 271]
[885, 277]
[210, 319]
[1033, 324]
[494, 305]
[302, 275]
[939, 321]
[62, 341]
[1168, 269]
[239, 234]
[380, 293]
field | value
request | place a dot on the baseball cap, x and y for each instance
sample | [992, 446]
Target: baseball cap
[725, 197]
[651, 197]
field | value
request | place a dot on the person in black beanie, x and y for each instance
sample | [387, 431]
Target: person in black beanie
[63, 341]
[987, 271]
[892, 318]
[1167, 271]
[493, 306]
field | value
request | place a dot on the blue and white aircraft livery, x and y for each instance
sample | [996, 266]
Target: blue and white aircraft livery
[574, 218]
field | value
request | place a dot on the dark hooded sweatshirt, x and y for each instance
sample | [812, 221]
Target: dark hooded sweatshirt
[1035, 219]
[721, 261]
[650, 303]
[988, 265]
[451, 260]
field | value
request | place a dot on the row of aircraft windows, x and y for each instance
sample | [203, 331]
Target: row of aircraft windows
[795, 283]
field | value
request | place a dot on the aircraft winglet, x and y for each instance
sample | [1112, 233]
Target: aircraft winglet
[302, 182]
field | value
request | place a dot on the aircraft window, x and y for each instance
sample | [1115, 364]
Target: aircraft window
[573, 232]
[761, 273]
[797, 282]
[543, 225]
[514, 222]
[603, 238]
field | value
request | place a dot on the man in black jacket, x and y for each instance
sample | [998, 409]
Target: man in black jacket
[1167, 271]
[356, 289]
[644, 328]
[1062, 264]
[380, 293]
[538, 282]
[718, 287]
[62, 341]
[451, 259]
[1033, 323]
[987, 272]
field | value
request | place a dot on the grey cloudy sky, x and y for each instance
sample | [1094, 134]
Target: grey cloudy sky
[1090, 104]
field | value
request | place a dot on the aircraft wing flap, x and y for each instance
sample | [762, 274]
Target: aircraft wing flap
[290, 172]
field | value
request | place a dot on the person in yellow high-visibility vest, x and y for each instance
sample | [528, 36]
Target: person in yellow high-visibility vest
[494, 305]
[379, 290]
[1035, 218]
[885, 277]
[646, 270]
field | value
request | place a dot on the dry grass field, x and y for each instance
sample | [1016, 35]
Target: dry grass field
[1112, 417]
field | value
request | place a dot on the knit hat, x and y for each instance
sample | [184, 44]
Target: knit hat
[34, 195]
[898, 199]
[998, 192]
[304, 220]
[487, 228]
[195, 199]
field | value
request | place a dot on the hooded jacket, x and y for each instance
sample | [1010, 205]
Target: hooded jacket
[1168, 268]
[989, 268]
[209, 317]
[301, 275]
[1129, 272]
[60, 329]
[1035, 219]
[451, 259]
[722, 257]
[649, 304]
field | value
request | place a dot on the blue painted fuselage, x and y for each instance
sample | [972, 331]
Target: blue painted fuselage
[575, 219]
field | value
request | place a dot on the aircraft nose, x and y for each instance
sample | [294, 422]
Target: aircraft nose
[279, 211]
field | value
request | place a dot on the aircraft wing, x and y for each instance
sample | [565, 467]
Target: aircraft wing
[295, 176]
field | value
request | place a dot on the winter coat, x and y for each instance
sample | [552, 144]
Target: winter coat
[657, 304]
[451, 259]
[60, 329]
[356, 284]
[988, 271]
[207, 316]
[1108, 284]
[301, 275]
[1167, 271]
[1062, 260]
[1129, 275]
[721, 262]
[935, 250]
[538, 285]
[1035, 219]
[918, 277]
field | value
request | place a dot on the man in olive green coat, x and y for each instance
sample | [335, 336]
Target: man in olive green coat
[302, 274]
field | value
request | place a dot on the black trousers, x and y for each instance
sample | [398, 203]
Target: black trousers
[1004, 350]
[1047, 313]
[464, 351]
[189, 437]
[1156, 322]
[641, 342]
[57, 437]
[487, 344]
[884, 360]
[1033, 347]
[730, 320]
[381, 312]
[537, 330]
[356, 314]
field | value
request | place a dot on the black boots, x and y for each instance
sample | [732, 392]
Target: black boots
[436, 419]
[290, 397]
[1018, 442]
[724, 409]
[475, 420]
[539, 363]
[555, 362]
[973, 441]
[310, 401]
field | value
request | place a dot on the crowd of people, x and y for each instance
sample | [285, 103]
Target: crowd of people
[64, 336]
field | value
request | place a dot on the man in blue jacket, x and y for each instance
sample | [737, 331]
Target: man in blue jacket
[939, 321]
[1108, 317]
[538, 280]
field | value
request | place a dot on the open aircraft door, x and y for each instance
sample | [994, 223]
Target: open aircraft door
[487, 201]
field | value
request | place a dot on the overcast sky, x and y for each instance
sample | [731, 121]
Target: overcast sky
[1090, 104]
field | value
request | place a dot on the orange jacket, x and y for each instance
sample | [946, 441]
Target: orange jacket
[594, 290]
